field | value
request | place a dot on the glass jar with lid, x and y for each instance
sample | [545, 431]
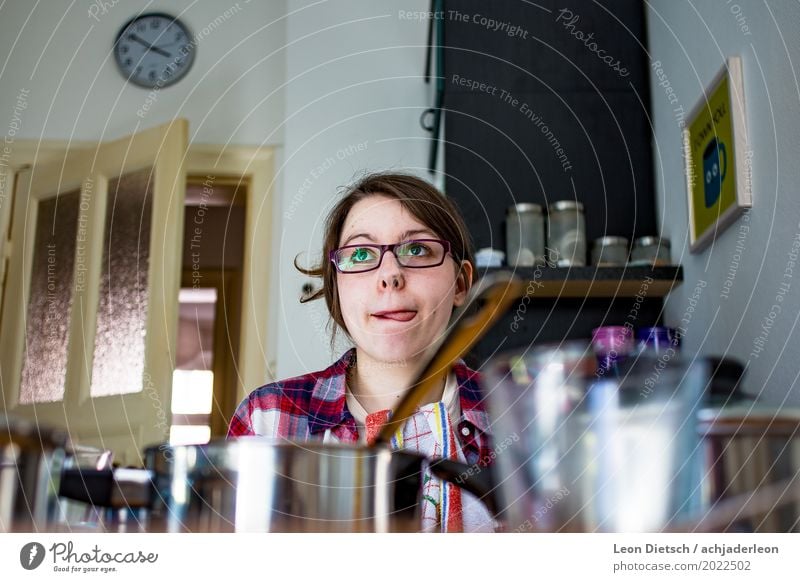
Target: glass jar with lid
[651, 250]
[525, 235]
[610, 251]
[566, 234]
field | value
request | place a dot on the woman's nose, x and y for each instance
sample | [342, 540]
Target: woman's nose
[390, 273]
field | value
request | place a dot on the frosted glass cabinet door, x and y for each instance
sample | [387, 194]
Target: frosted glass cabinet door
[121, 331]
[49, 306]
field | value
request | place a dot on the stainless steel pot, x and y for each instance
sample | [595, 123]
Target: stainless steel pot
[80, 515]
[589, 453]
[254, 484]
[747, 446]
[30, 465]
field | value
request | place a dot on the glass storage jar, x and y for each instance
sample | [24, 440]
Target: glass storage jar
[651, 250]
[566, 234]
[525, 235]
[610, 251]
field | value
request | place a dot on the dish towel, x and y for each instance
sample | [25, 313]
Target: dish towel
[429, 432]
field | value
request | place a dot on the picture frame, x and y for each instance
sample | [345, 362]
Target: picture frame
[717, 157]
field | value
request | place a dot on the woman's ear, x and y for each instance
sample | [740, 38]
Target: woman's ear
[463, 283]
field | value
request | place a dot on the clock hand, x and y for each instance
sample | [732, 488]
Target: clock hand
[160, 51]
[136, 38]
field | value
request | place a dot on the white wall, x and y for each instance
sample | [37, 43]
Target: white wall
[751, 258]
[354, 96]
[62, 54]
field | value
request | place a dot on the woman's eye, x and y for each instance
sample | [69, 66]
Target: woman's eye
[416, 250]
[361, 255]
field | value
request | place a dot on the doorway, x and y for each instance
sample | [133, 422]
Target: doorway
[204, 394]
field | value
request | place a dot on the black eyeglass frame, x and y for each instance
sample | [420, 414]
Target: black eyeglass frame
[391, 247]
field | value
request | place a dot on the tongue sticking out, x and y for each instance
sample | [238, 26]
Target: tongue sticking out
[397, 315]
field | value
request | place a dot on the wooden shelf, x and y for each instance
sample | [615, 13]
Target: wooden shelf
[599, 282]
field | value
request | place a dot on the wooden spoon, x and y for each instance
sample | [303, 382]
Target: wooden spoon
[496, 291]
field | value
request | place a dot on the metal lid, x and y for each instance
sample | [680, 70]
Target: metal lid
[566, 205]
[490, 252]
[650, 241]
[605, 241]
[573, 356]
[749, 420]
[523, 207]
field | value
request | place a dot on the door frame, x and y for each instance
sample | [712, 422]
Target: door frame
[254, 168]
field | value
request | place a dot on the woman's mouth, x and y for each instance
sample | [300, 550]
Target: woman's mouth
[396, 315]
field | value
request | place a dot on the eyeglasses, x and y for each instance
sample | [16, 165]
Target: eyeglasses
[416, 254]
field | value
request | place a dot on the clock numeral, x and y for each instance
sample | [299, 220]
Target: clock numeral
[128, 62]
[138, 70]
[152, 75]
[155, 24]
[141, 27]
[124, 49]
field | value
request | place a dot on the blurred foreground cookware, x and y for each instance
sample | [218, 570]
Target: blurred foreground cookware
[30, 467]
[748, 446]
[79, 515]
[256, 484]
[595, 454]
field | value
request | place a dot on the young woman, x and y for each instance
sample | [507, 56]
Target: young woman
[397, 261]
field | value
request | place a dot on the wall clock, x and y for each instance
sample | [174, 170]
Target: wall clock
[154, 50]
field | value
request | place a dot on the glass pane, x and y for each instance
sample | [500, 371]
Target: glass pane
[193, 378]
[118, 364]
[192, 391]
[197, 310]
[189, 435]
[44, 364]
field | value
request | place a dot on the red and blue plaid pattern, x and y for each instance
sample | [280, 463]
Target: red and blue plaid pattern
[304, 407]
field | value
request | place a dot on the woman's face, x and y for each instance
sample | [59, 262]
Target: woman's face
[395, 313]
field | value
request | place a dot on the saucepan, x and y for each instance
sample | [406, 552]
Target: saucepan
[31, 458]
[593, 453]
[748, 446]
[256, 484]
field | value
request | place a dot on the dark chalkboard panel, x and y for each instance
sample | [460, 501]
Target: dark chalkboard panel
[541, 46]
[589, 147]
[533, 113]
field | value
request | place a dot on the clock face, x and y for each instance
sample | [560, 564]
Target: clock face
[154, 50]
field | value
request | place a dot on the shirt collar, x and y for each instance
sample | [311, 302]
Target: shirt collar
[327, 407]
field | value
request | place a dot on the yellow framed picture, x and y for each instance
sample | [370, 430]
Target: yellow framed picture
[717, 157]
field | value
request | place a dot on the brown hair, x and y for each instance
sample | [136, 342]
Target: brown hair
[427, 204]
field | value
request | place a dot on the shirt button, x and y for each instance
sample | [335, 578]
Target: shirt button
[465, 430]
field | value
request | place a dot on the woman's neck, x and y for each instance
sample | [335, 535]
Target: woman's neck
[379, 385]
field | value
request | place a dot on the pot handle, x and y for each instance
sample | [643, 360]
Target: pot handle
[473, 478]
[115, 488]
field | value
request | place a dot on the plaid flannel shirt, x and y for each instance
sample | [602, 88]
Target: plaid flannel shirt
[304, 407]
